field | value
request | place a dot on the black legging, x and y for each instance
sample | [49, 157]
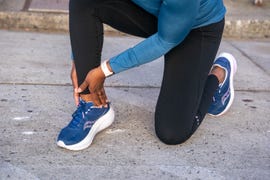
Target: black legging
[186, 90]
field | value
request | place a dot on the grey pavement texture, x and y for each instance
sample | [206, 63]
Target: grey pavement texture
[11, 5]
[36, 102]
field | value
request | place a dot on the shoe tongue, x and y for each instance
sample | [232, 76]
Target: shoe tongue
[88, 104]
[79, 113]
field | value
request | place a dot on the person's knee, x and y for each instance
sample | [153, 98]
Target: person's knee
[172, 127]
[172, 137]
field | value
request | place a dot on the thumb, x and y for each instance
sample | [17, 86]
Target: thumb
[82, 87]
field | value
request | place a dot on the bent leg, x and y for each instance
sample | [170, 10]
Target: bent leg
[184, 92]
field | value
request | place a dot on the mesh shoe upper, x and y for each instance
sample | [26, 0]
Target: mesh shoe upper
[82, 121]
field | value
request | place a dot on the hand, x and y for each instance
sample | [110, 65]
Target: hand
[74, 79]
[94, 81]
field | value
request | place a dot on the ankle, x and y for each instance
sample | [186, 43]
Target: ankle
[86, 97]
[219, 73]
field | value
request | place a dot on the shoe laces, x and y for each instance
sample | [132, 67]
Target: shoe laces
[79, 115]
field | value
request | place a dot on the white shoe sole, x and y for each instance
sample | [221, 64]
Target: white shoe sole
[102, 123]
[233, 65]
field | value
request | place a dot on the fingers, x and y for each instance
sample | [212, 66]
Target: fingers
[96, 100]
[102, 97]
[94, 82]
[83, 86]
[99, 98]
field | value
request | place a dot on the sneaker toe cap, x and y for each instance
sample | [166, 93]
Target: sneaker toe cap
[70, 136]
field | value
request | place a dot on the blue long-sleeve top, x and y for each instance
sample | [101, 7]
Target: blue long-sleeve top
[176, 18]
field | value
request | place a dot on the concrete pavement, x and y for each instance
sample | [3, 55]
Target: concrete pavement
[36, 102]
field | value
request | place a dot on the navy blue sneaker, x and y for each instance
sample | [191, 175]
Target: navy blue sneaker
[224, 95]
[86, 122]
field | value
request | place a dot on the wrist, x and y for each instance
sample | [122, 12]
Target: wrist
[106, 68]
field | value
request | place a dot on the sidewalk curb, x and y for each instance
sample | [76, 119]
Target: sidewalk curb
[58, 22]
